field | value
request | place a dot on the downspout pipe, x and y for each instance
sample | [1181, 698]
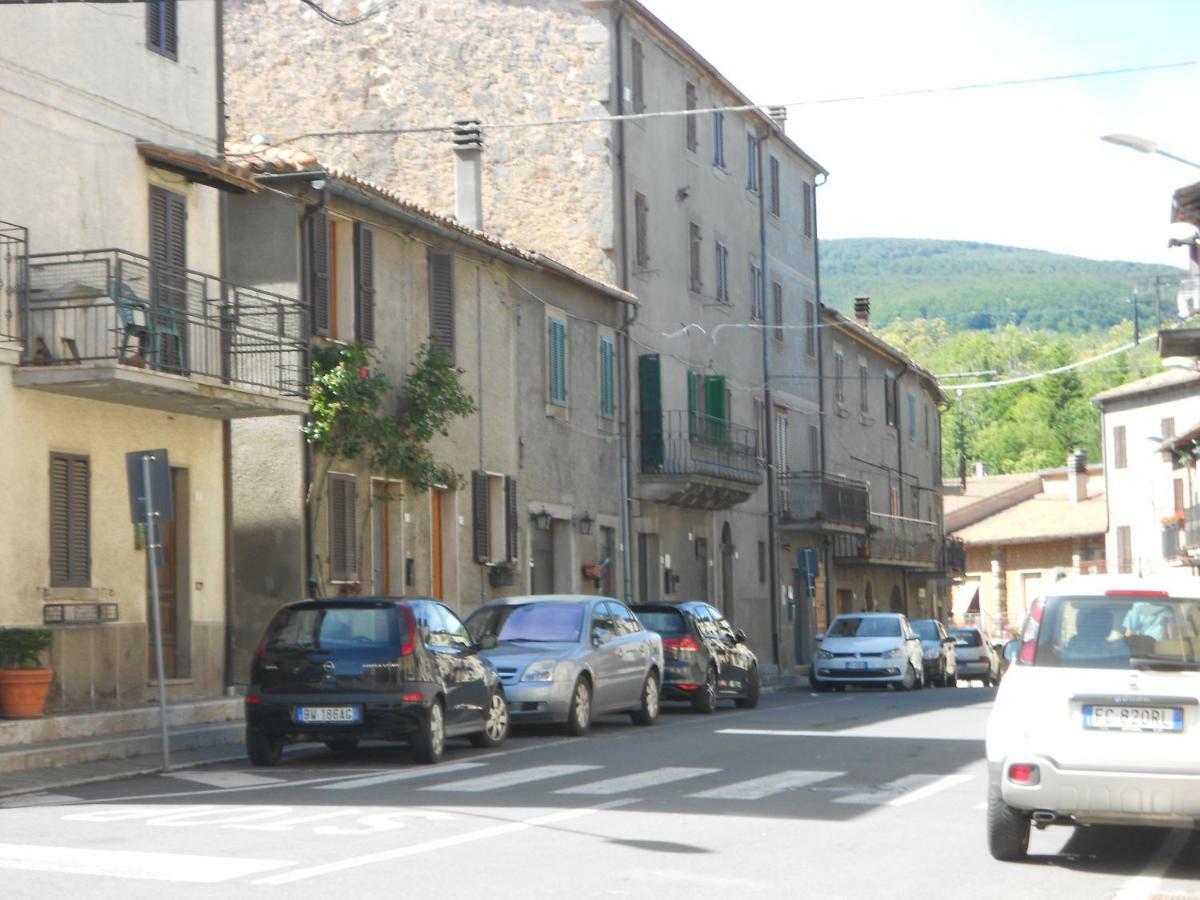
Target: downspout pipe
[827, 561]
[769, 419]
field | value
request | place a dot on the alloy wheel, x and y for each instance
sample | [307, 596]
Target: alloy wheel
[651, 696]
[437, 729]
[583, 705]
[497, 723]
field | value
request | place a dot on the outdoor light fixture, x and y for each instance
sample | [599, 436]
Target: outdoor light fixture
[1144, 145]
[585, 523]
[542, 520]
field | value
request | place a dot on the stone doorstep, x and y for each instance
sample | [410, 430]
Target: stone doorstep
[24, 733]
[56, 754]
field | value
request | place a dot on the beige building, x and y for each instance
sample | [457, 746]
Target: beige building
[138, 345]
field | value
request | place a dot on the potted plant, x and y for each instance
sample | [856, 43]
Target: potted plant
[501, 574]
[24, 681]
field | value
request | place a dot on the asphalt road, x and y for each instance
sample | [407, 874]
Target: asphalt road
[861, 794]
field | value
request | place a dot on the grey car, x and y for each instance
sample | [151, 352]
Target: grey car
[567, 658]
[937, 651]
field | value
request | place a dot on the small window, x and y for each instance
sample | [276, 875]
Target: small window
[493, 517]
[1120, 459]
[441, 301]
[161, 27]
[343, 528]
[719, 140]
[756, 293]
[775, 189]
[639, 84]
[722, 273]
[556, 360]
[810, 328]
[1124, 551]
[808, 210]
[864, 379]
[608, 378]
[752, 177]
[912, 416]
[641, 219]
[70, 520]
[690, 121]
[777, 303]
[694, 281]
[760, 429]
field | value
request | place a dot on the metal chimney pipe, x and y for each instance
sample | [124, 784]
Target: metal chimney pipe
[862, 311]
[468, 173]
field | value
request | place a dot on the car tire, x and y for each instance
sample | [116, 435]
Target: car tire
[647, 711]
[430, 741]
[753, 690]
[579, 716]
[495, 728]
[910, 681]
[341, 745]
[1008, 829]
[705, 700]
[820, 687]
[261, 749]
[953, 682]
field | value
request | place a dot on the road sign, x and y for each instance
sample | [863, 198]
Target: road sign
[160, 484]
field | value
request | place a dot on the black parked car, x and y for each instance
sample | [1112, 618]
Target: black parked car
[341, 671]
[705, 658]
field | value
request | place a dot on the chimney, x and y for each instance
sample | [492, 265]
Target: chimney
[468, 173]
[1077, 476]
[862, 311]
[778, 115]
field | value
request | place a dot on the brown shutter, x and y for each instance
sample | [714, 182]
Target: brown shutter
[168, 248]
[70, 521]
[364, 283]
[511, 549]
[316, 268]
[479, 506]
[441, 301]
[170, 35]
[343, 528]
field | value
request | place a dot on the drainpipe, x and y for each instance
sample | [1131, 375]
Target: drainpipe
[900, 471]
[827, 550]
[769, 419]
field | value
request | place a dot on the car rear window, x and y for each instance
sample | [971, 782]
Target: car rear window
[926, 629]
[865, 626]
[966, 637]
[1119, 632]
[545, 622]
[334, 628]
[667, 622]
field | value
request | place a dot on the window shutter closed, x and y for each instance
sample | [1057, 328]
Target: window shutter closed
[364, 282]
[511, 550]
[343, 536]
[714, 407]
[557, 339]
[154, 24]
[316, 280]
[650, 385]
[168, 248]
[441, 301]
[170, 34]
[608, 405]
[479, 506]
[70, 522]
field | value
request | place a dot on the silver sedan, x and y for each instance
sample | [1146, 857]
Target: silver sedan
[566, 658]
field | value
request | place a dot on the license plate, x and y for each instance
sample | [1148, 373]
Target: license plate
[337, 715]
[1133, 718]
[857, 665]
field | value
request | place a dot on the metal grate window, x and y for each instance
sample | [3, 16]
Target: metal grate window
[70, 520]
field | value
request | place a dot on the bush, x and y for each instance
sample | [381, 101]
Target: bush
[22, 648]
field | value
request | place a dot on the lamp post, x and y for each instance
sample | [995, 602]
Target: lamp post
[1144, 145]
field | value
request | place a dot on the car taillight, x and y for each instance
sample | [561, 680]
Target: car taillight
[409, 642]
[411, 698]
[1121, 593]
[253, 698]
[680, 643]
[687, 687]
[261, 651]
[1029, 634]
[1023, 773]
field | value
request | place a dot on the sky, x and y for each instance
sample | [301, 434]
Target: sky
[1021, 165]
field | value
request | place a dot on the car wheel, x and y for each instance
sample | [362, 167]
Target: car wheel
[262, 750]
[579, 717]
[705, 700]
[342, 745]
[428, 743]
[647, 712]
[753, 690]
[819, 686]
[1008, 829]
[495, 729]
[910, 678]
[953, 682]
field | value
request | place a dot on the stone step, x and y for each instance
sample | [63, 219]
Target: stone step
[28, 732]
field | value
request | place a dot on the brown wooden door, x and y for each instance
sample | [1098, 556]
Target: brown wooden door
[174, 564]
[435, 542]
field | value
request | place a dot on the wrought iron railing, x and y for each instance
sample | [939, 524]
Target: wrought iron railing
[14, 248]
[893, 539]
[1170, 541]
[676, 442]
[812, 497]
[954, 556]
[1188, 299]
[112, 305]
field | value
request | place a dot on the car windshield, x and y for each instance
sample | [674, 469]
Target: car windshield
[542, 622]
[666, 622]
[1119, 632]
[333, 628]
[926, 629]
[966, 637]
[865, 626]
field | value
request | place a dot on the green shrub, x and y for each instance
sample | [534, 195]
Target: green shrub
[22, 648]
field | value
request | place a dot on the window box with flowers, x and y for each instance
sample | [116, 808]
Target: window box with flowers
[1174, 520]
[502, 574]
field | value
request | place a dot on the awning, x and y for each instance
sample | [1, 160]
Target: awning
[1182, 441]
[197, 167]
[966, 599]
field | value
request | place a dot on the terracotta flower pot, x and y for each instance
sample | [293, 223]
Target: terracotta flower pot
[23, 692]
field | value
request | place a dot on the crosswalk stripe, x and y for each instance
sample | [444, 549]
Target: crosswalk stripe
[757, 788]
[886, 793]
[650, 778]
[225, 779]
[405, 775]
[509, 779]
[40, 799]
[943, 783]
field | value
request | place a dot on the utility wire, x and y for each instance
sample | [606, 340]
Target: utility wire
[329, 17]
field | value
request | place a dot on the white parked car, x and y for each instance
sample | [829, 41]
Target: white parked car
[976, 658]
[1097, 720]
[868, 648]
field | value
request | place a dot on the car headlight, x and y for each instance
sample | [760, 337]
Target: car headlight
[932, 654]
[893, 653]
[824, 654]
[542, 670]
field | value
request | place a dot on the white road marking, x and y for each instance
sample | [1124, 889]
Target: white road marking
[757, 788]
[981, 806]
[405, 775]
[225, 779]
[848, 733]
[944, 783]
[885, 794]
[637, 781]
[42, 799]
[183, 867]
[439, 843]
[509, 779]
[1146, 885]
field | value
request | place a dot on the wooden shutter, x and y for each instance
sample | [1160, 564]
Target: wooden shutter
[479, 509]
[154, 20]
[650, 386]
[161, 27]
[316, 268]
[70, 521]
[511, 533]
[777, 303]
[557, 360]
[714, 406]
[608, 405]
[343, 528]
[441, 301]
[774, 186]
[639, 84]
[168, 248]
[364, 283]
[170, 35]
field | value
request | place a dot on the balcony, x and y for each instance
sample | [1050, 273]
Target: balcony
[13, 249]
[810, 501]
[1191, 530]
[893, 541]
[954, 556]
[697, 461]
[1170, 542]
[109, 325]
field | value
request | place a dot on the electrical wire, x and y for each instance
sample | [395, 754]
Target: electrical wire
[335, 20]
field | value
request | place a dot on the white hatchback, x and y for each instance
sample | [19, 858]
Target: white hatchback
[868, 648]
[1098, 719]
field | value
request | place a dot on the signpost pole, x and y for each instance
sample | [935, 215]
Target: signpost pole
[153, 545]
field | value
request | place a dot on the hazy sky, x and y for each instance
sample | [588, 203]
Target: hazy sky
[1016, 165]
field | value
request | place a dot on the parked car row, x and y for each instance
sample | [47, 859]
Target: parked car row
[341, 671]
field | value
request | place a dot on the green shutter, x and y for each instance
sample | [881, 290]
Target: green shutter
[650, 386]
[608, 404]
[714, 407]
[557, 339]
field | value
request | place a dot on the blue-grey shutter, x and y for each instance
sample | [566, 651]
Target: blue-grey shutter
[558, 361]
[316, 268]
[364, 283]
[441, 301]
[511, 548]
[479, 507]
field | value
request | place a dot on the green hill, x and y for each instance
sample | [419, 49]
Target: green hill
[972, 286]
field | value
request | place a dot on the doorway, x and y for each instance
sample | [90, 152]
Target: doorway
[541, 552]
[437, 498]
[173, 606]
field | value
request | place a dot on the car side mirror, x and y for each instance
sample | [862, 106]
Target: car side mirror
[597, 637]
[739, 636]
[949, 642]
[486, 642]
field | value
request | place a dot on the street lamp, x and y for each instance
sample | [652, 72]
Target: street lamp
[1144, 145]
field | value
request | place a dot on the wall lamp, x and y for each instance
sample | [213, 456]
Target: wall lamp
[585, 523]
[542, 520]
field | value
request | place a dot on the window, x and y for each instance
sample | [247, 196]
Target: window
[441, 301]
[694, 281]
[641, 225]
[639, 84]
[814, 448]
[722, 273]
[1124, 551]
[912, 416]
[864, 379]
[608, 392]
[1120, 460]
[343, 529]
[493, 517]
[756, 293]
[926, 426]
[161, 33]
[889, 399]
[719, 140]
[839, 376]
[70, 521]
[760, 429]
[894, 500]
[808, 210]
[690, 121]
[364, 283]
[777, 303]
[810, 327]
[752, 178]
[315, 234]
[774, 164]
[1167, 430]
[762, 562]
[624, 621]
[781, 441]
[556, 360]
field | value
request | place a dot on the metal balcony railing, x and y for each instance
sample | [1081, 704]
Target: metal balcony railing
[895, 540]
[1170, 542]
[112, 305]
[14, 248]
[677, 442]
[954, 556]
[812, 497]
[1191, 527]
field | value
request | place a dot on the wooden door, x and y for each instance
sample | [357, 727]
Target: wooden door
[435, 542]
[171, 575]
